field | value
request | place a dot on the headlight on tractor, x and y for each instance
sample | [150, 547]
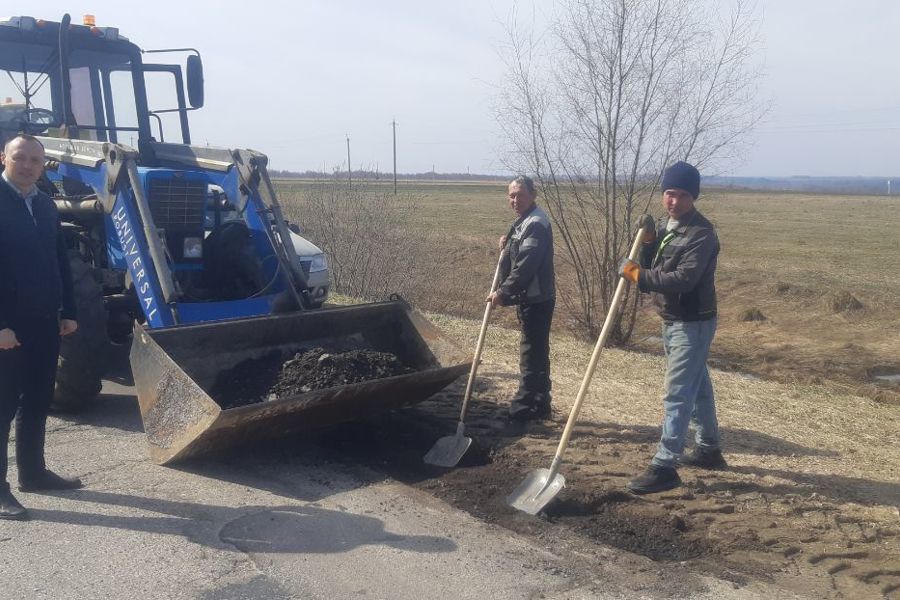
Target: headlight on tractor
[318, 263]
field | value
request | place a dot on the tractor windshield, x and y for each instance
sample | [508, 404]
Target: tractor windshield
[26, 89]
[90, 83]
[101, 99]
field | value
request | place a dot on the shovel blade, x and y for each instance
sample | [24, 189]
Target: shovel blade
[448, 451]
[536, 491]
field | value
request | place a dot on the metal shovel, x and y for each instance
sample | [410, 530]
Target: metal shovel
[449, 450]
[542, 485]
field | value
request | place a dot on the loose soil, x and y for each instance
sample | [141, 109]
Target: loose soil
[806, 505]
[272, 377]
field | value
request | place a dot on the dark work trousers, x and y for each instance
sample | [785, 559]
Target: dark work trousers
[27, 379]
[534, 352]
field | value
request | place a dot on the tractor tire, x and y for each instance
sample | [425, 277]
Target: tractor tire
[85, 354]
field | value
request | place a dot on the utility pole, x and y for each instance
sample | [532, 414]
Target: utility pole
[394, 125]
[349, 168]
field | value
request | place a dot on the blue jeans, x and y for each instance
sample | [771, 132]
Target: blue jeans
[689, 392]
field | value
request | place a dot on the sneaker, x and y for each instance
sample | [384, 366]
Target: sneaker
[704, 458]
[10, 508]
[655, 479]
[48, 480]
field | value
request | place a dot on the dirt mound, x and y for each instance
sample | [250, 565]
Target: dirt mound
[842, 302]
[272, 377]
[317, 369]
[752, 314]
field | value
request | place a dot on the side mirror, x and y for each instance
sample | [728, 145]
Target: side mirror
[294, 227]
[195, 80]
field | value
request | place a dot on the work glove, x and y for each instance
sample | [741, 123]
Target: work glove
[648, 227]
[630, 270]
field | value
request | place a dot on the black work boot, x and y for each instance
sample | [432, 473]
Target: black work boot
[655, 479]
[521, 412]
[10, 509]
[47, 480]
[530, 406]
[704, 458]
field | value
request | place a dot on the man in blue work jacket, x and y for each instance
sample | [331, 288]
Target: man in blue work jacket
[37, 306]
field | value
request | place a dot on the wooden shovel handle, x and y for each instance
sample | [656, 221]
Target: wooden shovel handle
[598, 348]
[480, 344]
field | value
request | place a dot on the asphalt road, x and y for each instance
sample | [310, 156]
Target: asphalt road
[284, 521]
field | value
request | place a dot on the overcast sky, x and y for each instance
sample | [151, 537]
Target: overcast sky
[292, 79]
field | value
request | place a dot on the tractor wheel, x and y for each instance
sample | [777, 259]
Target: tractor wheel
[83, 355]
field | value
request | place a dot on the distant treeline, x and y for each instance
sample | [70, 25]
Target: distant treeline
[381, 176]
[876, 186]
[826, 185]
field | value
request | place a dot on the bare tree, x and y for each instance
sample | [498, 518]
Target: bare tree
[601, 102]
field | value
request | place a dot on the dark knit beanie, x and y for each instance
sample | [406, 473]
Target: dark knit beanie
[683, 176]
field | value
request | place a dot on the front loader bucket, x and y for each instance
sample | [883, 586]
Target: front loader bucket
[175, 368]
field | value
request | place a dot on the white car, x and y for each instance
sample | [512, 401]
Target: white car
[314, 266]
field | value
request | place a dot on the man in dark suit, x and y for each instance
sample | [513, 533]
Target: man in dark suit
[37, 306]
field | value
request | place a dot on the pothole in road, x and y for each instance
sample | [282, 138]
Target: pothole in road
[494, 466]
[729, 523]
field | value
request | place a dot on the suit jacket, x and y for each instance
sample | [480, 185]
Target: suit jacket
[35, 276]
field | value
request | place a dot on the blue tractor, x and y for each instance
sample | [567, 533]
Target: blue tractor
[181, 249]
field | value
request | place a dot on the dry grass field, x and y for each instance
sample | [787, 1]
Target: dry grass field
[810, 501]
[794, 258]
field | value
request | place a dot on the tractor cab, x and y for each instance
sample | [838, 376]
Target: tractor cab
[91, 83]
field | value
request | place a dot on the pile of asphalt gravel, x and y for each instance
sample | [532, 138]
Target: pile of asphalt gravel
[272, 377]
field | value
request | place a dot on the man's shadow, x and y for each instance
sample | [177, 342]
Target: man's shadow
[284, 529]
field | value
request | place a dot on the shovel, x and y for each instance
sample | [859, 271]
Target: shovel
[449, 450]
[542, 485]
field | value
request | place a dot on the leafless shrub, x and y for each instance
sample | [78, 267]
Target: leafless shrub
[368, 234]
